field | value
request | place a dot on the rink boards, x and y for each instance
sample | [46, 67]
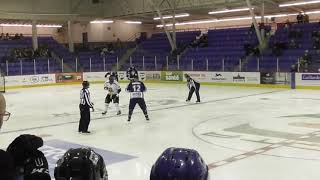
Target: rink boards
[247, 79]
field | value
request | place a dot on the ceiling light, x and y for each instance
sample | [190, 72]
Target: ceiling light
[49, 26]
[299, 3]
[133, 22]
[101, 22]
[229, 10]
[235, 19]
[170, 16]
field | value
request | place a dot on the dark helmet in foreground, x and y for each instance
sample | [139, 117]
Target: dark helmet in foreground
[179, 164]
[85, 84]
[81, 164]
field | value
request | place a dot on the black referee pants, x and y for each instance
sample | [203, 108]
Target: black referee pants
[192, 90]
[84, 118]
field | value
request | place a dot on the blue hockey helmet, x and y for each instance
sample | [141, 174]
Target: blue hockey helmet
[179, 164]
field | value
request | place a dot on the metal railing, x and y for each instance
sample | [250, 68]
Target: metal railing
[155, 63]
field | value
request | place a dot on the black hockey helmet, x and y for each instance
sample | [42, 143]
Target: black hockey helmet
[107, 74]
[85, 84]
[81, 164]
[111, 79]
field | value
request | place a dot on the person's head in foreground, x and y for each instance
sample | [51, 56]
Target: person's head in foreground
[179, 164]
[3, 113]
[80, 164]
[6, 166]
[29, 162]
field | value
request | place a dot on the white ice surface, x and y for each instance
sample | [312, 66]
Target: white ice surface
[52, 112]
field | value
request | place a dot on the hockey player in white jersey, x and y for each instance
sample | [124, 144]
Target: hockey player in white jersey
[113, 88]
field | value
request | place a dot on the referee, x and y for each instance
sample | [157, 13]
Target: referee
[194, 86]
[85, 106]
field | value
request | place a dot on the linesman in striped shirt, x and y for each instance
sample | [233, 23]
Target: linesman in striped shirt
[85, 106]
[194, 86]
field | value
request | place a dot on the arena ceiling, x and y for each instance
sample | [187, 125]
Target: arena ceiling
[141, 10]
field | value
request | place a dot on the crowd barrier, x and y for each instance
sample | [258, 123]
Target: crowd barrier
[250, 79]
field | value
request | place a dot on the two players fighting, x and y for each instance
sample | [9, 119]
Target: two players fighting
[136, 89]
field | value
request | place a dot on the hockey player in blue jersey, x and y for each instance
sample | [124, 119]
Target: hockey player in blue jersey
[136, 89]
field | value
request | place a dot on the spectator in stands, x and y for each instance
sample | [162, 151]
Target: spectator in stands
[4, 115]
[277, 48]
[307, 57]
[7, 37]
[306, 18]
[316, 43]
[294, 68]
[118, 44]
[287, 24]
[300, 18]
[2, 36]
[305, 61]
[293, 44]
[247, 48]
[16, 37]
[252, 29]
[21, 36]
[256, 51]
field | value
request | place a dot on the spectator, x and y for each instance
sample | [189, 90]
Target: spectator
[316, 44]
[252, 29]
[300, 18]
[7, 37]
[306, 18]
[277, 48]
[16, 36]
[256, 51]
[21, 36]
[4, 115]
[6, 160]
[2, 36]
[307, 57]
[293, 44]
[247, 48]
[29, 162]
[118, 44]
[6, 166]
[305, 61]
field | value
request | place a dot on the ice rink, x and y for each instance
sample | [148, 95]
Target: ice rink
[242, 133]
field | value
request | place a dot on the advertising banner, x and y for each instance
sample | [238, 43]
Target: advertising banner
[275, 78]
[94, 76]
[226, 77]
[171, 75]
[28, 80]
[153, 75]
[69, 77]
[246, 77]
[308, 79]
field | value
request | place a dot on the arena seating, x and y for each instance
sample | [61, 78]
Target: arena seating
[14, 65]
[225, 47]
[157, 48]
[268, 62]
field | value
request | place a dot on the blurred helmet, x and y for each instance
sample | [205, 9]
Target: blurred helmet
[81, 164]
[179, 164]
